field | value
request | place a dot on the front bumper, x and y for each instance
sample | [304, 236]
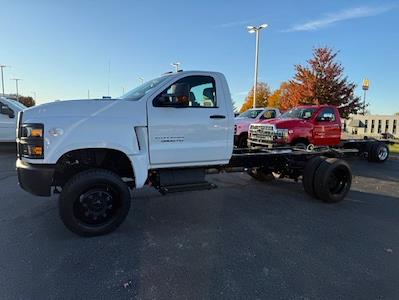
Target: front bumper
[35, 179]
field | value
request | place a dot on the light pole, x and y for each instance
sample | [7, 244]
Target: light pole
[365, 87]
[176, 66]
[256, 30]
[2, 77]
[16, 85]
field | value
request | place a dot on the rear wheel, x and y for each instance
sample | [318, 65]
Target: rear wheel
[332, 180]
[378, 152]
[94, 202]
[309, 173]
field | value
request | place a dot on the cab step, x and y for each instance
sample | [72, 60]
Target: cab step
[198, 186]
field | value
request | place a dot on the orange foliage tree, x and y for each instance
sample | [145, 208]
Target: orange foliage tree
[262, 95]
[276, 98]
[322, 82]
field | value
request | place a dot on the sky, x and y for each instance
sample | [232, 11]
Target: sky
[62, 49]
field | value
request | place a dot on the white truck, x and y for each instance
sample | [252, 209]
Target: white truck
[9, 109]
[168, 133]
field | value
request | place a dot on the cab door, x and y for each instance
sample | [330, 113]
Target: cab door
[327, 130]
[7, 124]
[188, 127]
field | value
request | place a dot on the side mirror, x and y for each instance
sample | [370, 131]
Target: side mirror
[5, 110]
[179, 97]
[164, 100]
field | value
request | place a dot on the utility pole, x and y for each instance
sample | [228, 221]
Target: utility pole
[16, 86]
[2, 78]
[365, 87]
[176, 66]
[256, 30]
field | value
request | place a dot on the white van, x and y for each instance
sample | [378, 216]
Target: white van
[9, 109]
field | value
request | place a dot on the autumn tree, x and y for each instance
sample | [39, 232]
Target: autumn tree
[276, 97]
[27, 101]
[322, 81]
[262, 95]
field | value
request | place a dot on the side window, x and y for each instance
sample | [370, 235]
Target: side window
[198, 91]
[326, 115]
[268, 114]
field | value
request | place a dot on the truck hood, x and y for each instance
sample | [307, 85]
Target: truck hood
[286, 123]
[94, 111]
[70, 108]
[240, 120]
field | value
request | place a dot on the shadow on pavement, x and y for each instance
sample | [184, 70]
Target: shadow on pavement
[8, 148]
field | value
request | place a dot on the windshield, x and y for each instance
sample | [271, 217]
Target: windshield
[299, 113]
[143, 89]
[18, 104]
[251, 114]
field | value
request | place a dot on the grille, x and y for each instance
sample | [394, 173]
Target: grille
[261, 134]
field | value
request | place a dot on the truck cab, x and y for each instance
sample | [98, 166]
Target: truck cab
[319, 125]
[246, 118]
[9, 109]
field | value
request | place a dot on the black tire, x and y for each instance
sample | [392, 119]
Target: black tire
[370, 152]
[94, 202]
[301, 145]
[309, 173]
[243, 141]
[378, 152]
[260, 175]
[332, 180]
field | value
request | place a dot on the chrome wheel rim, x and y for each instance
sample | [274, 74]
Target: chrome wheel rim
[382, 153]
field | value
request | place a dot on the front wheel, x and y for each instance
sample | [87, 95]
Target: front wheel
[94, 202]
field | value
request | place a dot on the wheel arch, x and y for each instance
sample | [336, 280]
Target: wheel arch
[74, 161]
[300, 140]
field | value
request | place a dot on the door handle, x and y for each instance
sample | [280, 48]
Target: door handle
[217, 117]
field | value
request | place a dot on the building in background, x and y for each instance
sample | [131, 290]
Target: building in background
[372, 125]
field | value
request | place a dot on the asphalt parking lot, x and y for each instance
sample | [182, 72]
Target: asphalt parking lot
[243, 240]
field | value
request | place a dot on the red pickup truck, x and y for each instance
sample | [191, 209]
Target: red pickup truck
[319, 125]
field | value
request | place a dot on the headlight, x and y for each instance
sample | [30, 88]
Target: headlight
[31, 141]
[282, 133]
[32, 131]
